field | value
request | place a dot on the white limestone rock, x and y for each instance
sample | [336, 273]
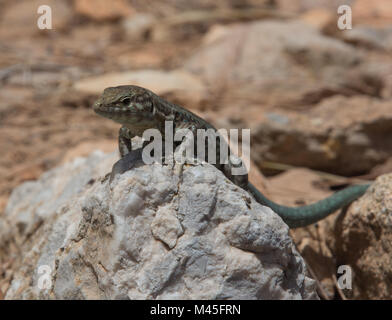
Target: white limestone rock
[155, 232]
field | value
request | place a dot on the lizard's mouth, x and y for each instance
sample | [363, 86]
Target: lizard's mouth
[133, 113]
[112, 110]
[118, 114]
[121, 115]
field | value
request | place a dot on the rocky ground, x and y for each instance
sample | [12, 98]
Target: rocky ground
[314, 97]
[154, 232]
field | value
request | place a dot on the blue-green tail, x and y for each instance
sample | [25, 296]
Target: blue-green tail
[302, 216]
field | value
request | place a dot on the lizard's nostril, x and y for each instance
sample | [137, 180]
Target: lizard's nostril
[97, 105]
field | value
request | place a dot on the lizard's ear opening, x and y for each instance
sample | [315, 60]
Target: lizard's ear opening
[126, 101]
[151, 104]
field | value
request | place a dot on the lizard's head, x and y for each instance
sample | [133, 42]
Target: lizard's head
[125, 104]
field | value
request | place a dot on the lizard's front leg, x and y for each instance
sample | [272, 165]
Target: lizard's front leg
[129, 157]
[124, 141]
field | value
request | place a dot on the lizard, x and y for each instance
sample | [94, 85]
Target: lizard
[138, 109]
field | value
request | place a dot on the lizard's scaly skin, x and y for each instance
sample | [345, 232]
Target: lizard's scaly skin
[138, 109]
[302, 216]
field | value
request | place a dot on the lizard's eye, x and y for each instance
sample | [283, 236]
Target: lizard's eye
[126, 101]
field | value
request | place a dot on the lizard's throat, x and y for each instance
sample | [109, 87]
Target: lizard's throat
[126, 117]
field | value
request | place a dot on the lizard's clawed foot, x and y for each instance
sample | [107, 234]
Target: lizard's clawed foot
[126, 163]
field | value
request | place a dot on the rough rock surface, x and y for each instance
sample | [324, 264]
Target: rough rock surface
[156, 232]
[364, 242]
